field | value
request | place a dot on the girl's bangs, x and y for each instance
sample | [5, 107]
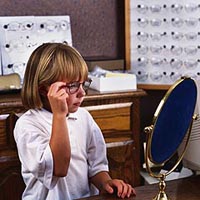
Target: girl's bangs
[72, 68]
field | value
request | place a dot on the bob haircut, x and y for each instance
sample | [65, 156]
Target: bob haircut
[49, 63]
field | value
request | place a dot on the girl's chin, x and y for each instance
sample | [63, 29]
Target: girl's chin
[74, 109]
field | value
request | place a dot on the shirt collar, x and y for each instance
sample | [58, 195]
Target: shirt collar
[72, 116]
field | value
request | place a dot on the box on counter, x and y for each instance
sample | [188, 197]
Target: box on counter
[117, 64]
[114, 82]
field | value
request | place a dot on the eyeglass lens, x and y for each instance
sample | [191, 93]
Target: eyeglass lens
[74, 87]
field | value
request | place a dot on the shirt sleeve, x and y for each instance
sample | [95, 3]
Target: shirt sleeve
[97, 158]
[34, 152]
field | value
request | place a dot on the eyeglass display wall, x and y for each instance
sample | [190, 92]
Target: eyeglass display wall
[19, 36]
[165, 40]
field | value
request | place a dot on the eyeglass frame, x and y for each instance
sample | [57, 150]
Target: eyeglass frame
[77, 85]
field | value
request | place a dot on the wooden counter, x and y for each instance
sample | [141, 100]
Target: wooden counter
[181, 189]
[117, 114]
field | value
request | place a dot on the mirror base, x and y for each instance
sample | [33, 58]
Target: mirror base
[162, 185]
[161, 196]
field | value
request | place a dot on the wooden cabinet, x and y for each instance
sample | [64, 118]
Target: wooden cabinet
[117, 114]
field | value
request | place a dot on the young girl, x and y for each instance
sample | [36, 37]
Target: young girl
[61, 148]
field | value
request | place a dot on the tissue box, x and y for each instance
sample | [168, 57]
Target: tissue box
[115, 83]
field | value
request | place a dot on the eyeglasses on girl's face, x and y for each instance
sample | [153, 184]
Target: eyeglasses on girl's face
[73, 87]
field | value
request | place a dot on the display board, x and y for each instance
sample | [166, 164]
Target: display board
[20, 35]
[165, 40]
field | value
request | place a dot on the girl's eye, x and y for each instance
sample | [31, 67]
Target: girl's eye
[73, 85]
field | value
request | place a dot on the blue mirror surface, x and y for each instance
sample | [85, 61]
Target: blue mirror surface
[173, 120]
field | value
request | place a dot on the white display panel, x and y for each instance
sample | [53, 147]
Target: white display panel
[165, 40]
[19, 36]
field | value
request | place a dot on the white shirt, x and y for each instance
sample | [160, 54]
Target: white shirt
[88, 155]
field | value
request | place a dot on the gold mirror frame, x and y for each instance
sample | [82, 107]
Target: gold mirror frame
[148, 157]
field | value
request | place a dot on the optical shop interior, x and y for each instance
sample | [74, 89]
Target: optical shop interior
[143, 62]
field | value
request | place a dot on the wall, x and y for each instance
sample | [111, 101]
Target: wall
[97, 25]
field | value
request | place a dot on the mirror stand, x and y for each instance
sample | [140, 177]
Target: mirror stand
[162, 185]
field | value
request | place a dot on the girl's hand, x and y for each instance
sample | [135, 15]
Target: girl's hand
[122, 189]
[57, 97]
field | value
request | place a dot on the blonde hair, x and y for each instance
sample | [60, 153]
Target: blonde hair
[49, 63]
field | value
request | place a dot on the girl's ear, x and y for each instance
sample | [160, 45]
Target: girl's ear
[43, 90]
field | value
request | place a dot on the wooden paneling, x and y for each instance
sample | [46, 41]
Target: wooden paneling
[11, 184]
[3, 139]
[122, 163]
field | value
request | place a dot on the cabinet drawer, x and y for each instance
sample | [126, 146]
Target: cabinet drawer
[114, 117]
[113, 120]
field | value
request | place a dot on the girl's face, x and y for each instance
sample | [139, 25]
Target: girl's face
[75, 92]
